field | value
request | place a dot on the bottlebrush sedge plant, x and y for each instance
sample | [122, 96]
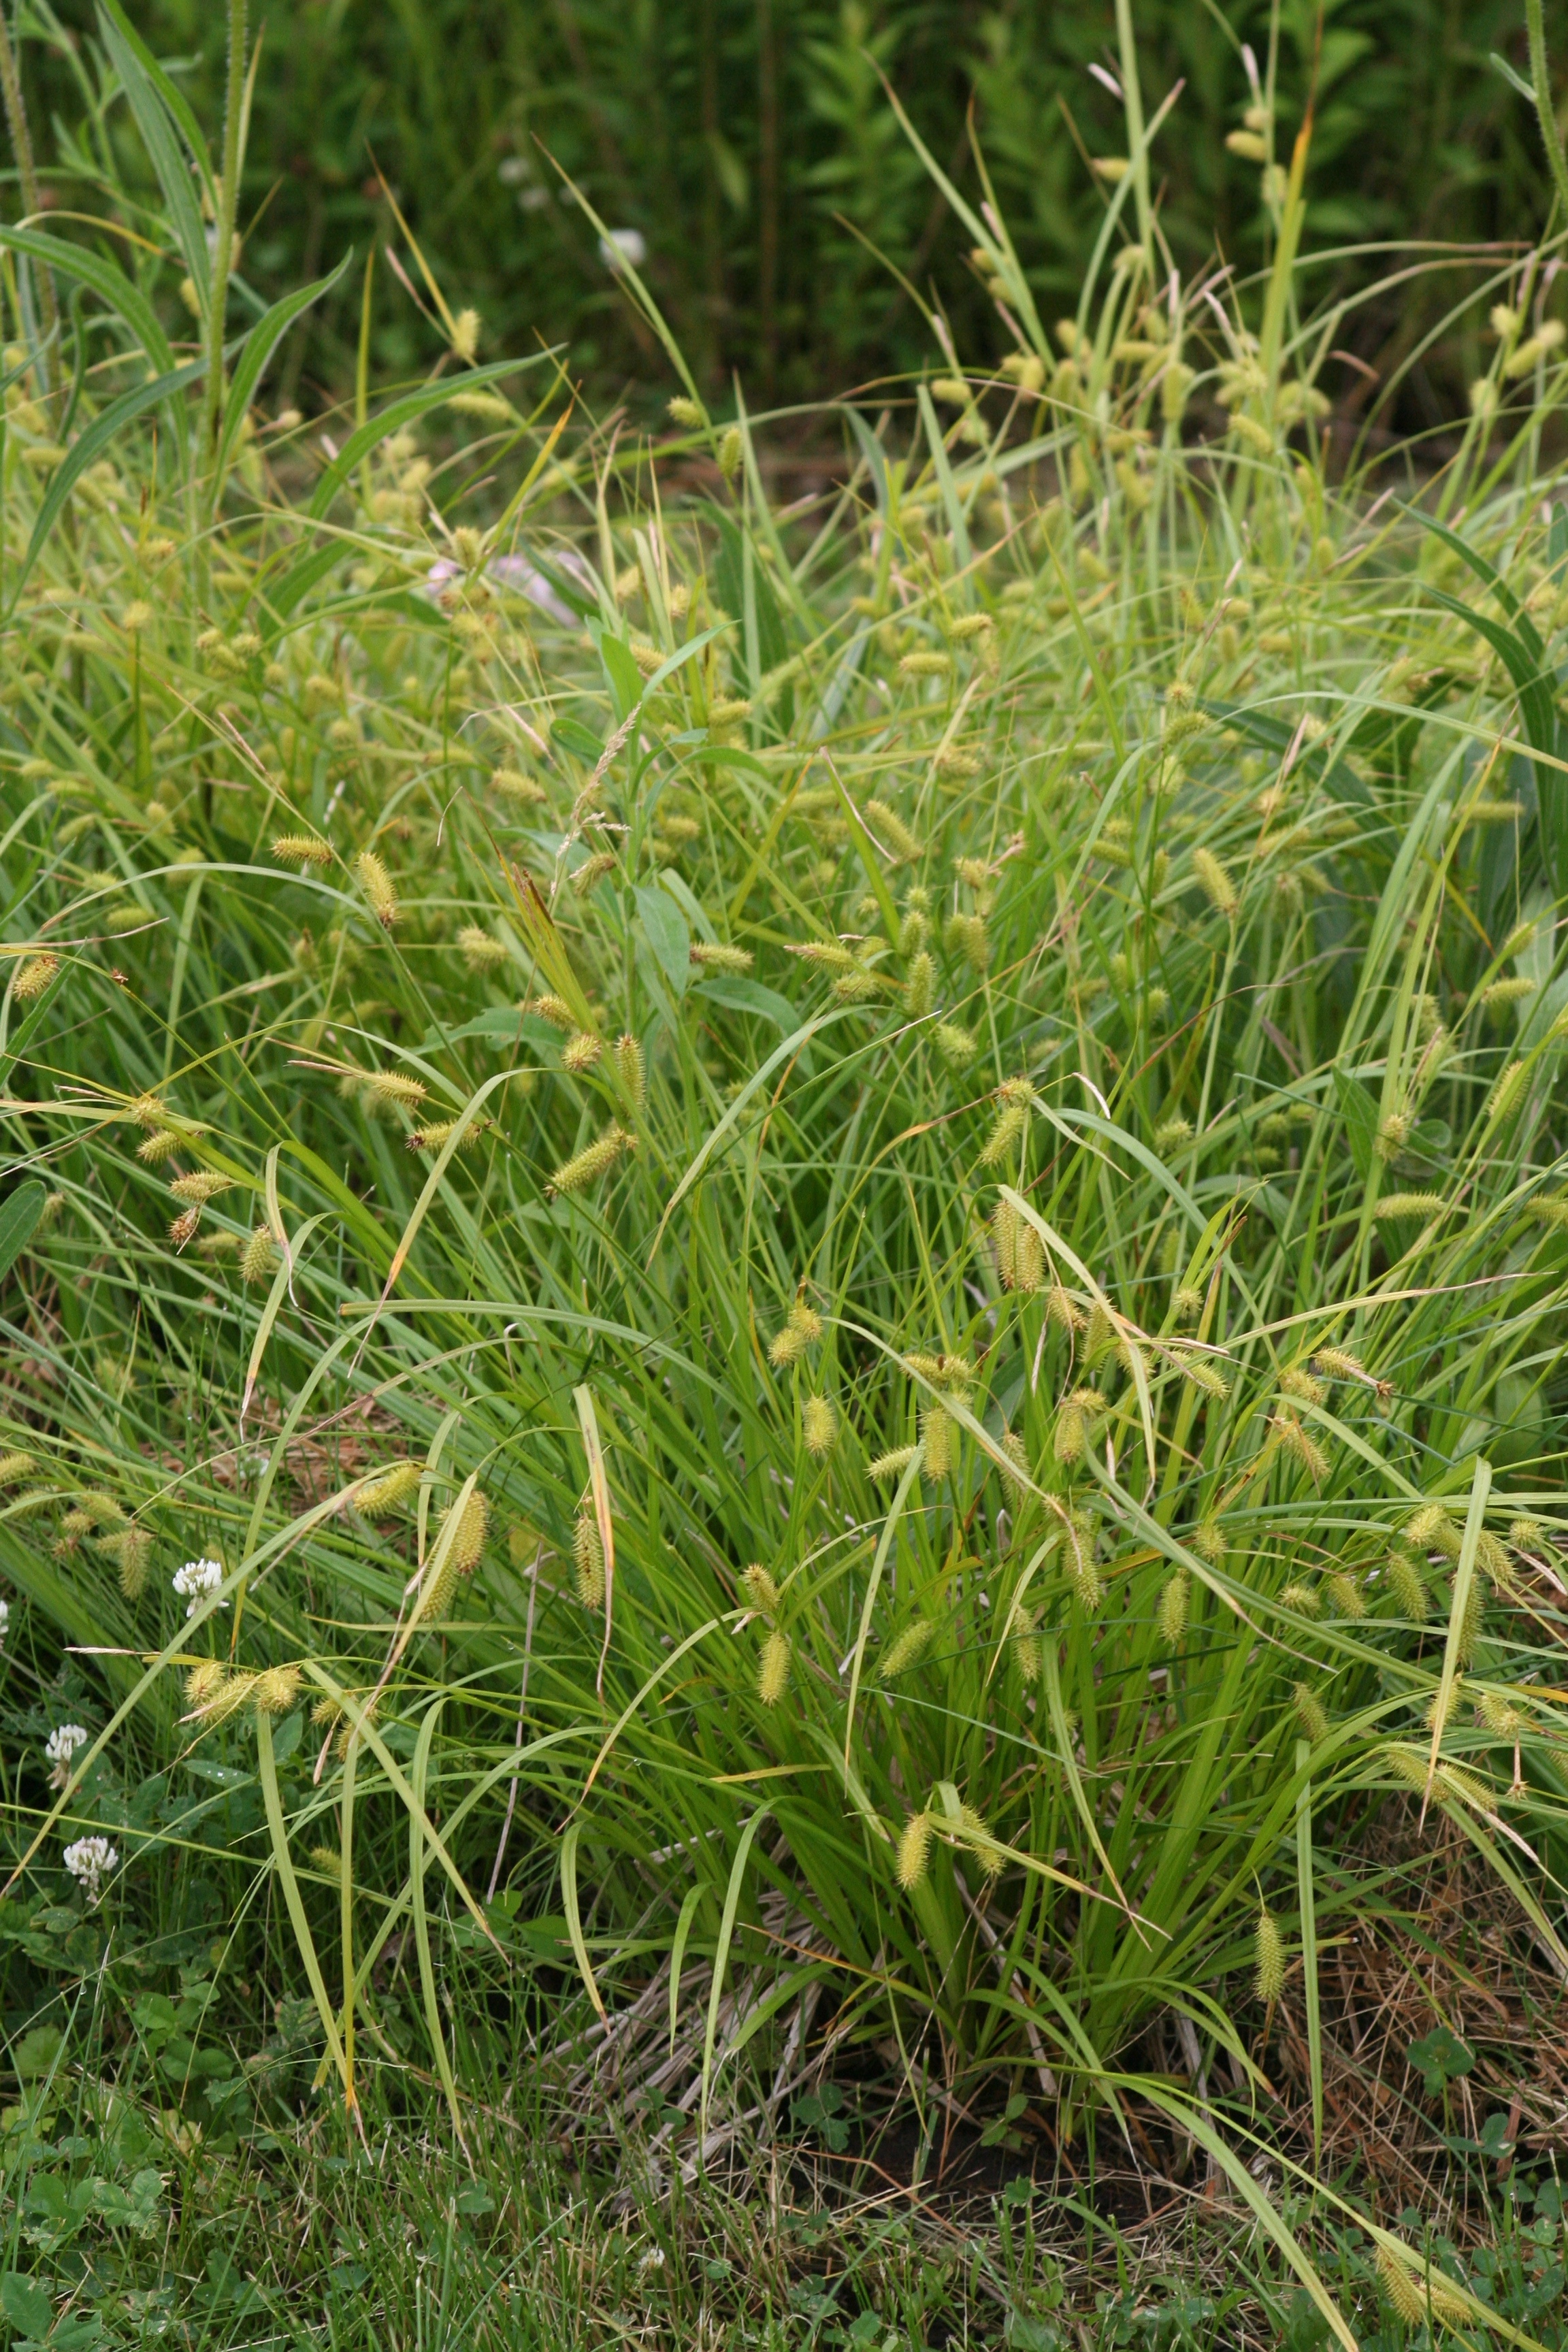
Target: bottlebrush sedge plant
[872, 1194]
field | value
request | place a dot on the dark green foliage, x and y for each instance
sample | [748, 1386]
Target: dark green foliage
[740, 137]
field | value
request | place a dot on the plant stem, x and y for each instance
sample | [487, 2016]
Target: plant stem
[28, 177]
[1550, 136]
[223, 253]
[1133, 99]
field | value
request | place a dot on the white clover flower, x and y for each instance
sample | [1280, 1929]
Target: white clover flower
[195, 1580]
[89, 1862]
[4, 1618]
[60, 1748]
[621, 246]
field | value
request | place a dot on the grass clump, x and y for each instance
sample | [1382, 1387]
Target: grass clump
[860, 1375]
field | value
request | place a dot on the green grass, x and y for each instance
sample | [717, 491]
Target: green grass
[923, 1131]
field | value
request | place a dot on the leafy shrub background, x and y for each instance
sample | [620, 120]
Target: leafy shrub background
[732, 134]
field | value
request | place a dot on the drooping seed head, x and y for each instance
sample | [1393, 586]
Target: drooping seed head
[818, 1427]
[479, 950]
[890, 1465]
[891, 835]
[395, 1087]
[936, 1435]
[590, 1164]
[772, 1669]
[906, 1649]
[1310, 1714]
[377, 883]
[387, 1490]
[718, 955]
[34, 976]
[1293, 1439]
[205, 1185]
[259, 1257]
[760, 1590]
[302, 849]
[275, 1690]
[632, 1071]
[1268, 1958]
[1175, 1605]
[588, 1559]
[1215, 882]
[914, 1851]
[1431, 1530]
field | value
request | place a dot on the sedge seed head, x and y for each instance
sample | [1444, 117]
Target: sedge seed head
[965, 936]
[717, 955]
[394, 1086]
[259, 1257]
[469, 1535]
[1431, 1530]
[34, 976]
[914, 1851]
[937, 1431]
[1215, 884]
[1269, 1958]
[588, 1561]
[772, 1669]
[204, 1681]
[1410, 1594]
[1400, 2290]
[890, 1465]
[1175, 1605]
[512, 784]
[554, 1008]
[162, 1144]
[205, 1185]
[479, 951]
[760, 1590]
[580, 1052]
[1296, 1441]
[632, 1071]
[275, 1690]
[1011, 1124]
[389, 1489]
[1338, 1364]
[907, 1650]
[576, 1174]
[1498, 1716]
[1310, 1713]
[818, 1427]
[302, 849]
[919, 985]
[377, 883]
[892, 833]
[1420, 1207]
